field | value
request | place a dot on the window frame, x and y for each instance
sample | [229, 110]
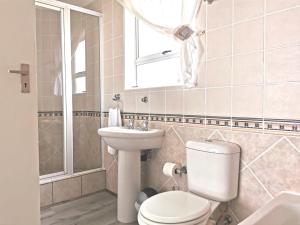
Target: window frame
[135, 60]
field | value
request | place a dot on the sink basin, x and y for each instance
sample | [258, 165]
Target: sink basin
[282, 210]
[130, 142]
[124, 139]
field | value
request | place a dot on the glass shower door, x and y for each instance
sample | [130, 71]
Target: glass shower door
[50, 90]
[85, 47]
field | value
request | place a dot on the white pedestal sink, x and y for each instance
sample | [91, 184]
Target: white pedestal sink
[130, 142]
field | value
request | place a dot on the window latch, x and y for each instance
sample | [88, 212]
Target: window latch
[166, 52]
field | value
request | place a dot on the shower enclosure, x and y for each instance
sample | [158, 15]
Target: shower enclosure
[68, 71]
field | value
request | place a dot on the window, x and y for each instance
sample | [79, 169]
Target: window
[79, 68]
[151, 58]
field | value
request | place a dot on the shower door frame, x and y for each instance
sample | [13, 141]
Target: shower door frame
[65, 10]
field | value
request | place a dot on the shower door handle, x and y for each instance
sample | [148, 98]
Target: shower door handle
[25, 77]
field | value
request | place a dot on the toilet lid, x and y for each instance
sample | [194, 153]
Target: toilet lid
[174, 207]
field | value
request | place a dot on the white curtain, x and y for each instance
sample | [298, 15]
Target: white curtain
[179, 19]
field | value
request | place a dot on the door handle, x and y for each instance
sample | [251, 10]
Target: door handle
[25, 77]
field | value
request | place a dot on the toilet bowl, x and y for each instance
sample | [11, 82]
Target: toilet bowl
[212, 175]
[176, 207]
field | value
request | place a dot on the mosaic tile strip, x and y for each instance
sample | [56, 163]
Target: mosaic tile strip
[282, 125]
[254, 123]
[234, 122]
[75, 113]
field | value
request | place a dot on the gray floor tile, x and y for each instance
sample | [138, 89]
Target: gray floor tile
[96, 209]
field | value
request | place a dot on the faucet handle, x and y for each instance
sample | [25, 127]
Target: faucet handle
[130, 124]
[145, 125]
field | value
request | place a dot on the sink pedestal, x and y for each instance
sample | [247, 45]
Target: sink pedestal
[129, 182]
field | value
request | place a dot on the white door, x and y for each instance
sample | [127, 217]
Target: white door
[19, 176]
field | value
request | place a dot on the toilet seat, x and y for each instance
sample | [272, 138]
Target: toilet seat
[175, 207]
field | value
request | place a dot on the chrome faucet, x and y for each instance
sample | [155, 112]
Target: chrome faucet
[130, 124]
[145, 125]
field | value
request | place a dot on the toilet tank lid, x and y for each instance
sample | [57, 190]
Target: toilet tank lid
[214, 146]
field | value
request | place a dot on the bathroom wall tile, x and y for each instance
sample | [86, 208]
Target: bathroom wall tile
[245, 9]
[219, 13]
[283, 28]
[194, 102]
[129, 102]
[93, 182]
[66, 189]
[112, 178]
[157, 102]
[252, 143]
[247, 101]
[107, 7]
[118, 19]
[118, 46]
[119, 65]
[107, 102]
[108, 50]
[142, 107]
[46, 194]
[251, 196]
[219, 43]
[281, 101]
[107, 29]
[108, 85]
[248, 69]
[119, 84]
[174, 102]
[218, 102]
[248, 36]
[278, 169]
[272, 5]
[283, 65]
[219, 72]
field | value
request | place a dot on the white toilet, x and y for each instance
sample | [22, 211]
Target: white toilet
[212, 172]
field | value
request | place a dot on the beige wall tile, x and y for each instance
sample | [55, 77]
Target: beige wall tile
[283, 28]
[219, 72]
[247, 101]
[46, 194]
[142, 107]
[119, 84]
[108, 49]
[157, 102]
[279, 169]
[248, 36]
[283, 65]
[129, 102]
[118, 46]
[107, 29]
[219, 43]
[93, 182]
[245, 9]
[219, 13]
[248, 69]
[66, 189]
[108, 85]
[194, 102]
[118, 19]
[174, 102]
[107, 102]
[251, 196]
[280, 4]
[119, 65]
[282, 101]
[218, 102]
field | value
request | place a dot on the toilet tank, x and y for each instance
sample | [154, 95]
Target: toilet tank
[213, 169]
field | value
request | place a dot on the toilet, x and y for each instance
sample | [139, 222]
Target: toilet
[212, 173]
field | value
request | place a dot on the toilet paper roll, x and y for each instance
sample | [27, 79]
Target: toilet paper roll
[169, 169]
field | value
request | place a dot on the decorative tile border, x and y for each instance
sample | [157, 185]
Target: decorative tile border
[75, 113]
[230, 122]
